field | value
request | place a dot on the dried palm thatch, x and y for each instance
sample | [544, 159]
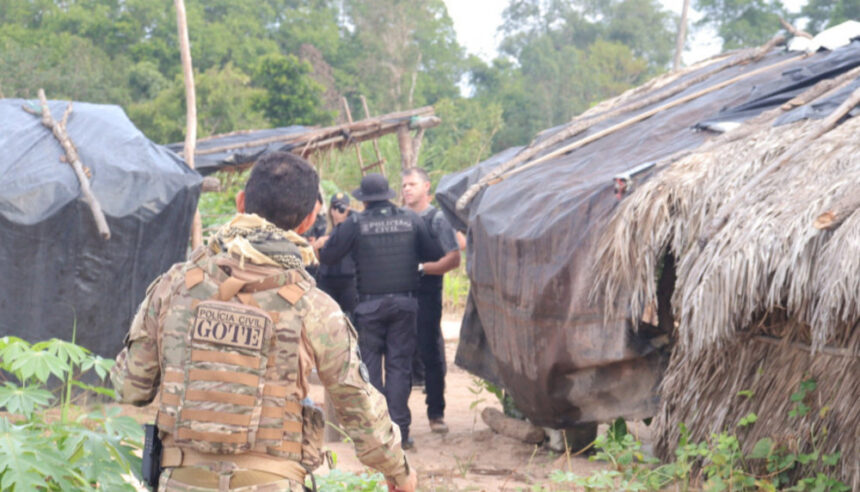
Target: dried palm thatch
[711, 392]
[764, 258]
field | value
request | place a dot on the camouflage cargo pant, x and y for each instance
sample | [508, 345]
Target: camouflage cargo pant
[206, 478]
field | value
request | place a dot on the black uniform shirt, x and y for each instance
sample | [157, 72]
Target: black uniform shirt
[343, 238]
[440, 229]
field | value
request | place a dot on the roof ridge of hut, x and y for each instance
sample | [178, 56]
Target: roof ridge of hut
[674, 209]
[546, 144]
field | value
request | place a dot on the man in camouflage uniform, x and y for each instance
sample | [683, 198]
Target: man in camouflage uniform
[258, 260]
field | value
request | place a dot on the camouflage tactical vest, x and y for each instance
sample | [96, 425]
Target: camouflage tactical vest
[230, 365]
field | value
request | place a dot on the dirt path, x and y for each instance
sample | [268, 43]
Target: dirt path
[470, 457]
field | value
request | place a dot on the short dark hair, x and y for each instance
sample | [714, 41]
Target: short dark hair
[283, 189]
[416, 170]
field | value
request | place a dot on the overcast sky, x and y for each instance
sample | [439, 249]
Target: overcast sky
[476, 22]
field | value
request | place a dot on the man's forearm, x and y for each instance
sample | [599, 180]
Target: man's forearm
[443, 265]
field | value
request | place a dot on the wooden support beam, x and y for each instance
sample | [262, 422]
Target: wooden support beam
[404, 140]
[348, 114]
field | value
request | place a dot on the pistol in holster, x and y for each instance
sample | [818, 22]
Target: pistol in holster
[151, 465]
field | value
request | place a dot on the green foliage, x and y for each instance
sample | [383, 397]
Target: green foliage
[217, 208]
[463, 139]
[65, 65]
[40, 451]
[562, 57]
[337, 480]
[800, 408]
[828, 13]
[455, 289]
[283, 62]
[291, 97]
[720, 460]
[742, 23]
[403, 54]
[225, 102]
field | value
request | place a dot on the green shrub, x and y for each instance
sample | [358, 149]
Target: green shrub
[716, 464]
[455, 289]
[42, 449]
[337, 480]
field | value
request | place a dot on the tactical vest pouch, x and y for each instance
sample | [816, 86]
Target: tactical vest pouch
[313, 429]
[219, 408]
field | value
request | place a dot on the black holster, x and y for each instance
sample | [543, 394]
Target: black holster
[151, 464]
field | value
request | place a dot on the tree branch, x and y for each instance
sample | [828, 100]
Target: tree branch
[793, 30]
[59, 131]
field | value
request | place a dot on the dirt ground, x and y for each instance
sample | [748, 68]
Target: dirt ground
[471, 457]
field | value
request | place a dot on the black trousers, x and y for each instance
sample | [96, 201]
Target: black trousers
[342, 290]
[386, 330]
[431, 349]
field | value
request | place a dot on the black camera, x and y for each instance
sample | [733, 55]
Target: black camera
[341, 208]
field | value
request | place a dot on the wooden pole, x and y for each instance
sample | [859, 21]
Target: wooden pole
[375, 142]
[793, 30]
[71, 154]
[404, 140]
[348, 114]
[682, 35]
[190, 110]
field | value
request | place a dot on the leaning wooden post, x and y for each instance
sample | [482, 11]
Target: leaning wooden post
[60, 133]
[190, 110]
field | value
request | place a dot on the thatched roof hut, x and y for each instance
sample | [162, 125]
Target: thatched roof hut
[763, 228]
[713, 245]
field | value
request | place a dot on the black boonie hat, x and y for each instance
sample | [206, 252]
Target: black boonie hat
[340, 199]
[374, 187]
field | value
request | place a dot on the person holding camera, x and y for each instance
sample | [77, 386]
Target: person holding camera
[338, 279]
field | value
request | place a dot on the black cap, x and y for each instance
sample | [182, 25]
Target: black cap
[374, 188]
[341, 199]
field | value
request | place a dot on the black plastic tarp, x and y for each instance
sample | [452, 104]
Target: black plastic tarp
[55, 269]
[211, 154]
[529, 324]
[773, 93]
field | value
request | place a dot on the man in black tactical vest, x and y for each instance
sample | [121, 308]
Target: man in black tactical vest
[387, 244]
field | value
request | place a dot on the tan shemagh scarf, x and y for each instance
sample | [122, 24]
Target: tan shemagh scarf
[252, 238]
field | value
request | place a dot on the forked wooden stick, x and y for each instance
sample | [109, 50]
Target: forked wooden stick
[62, 136]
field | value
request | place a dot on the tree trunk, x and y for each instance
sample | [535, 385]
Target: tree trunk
[682, 35]
[190, 110]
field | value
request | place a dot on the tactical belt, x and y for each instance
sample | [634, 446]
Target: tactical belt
[371, 297]
[173, 457]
